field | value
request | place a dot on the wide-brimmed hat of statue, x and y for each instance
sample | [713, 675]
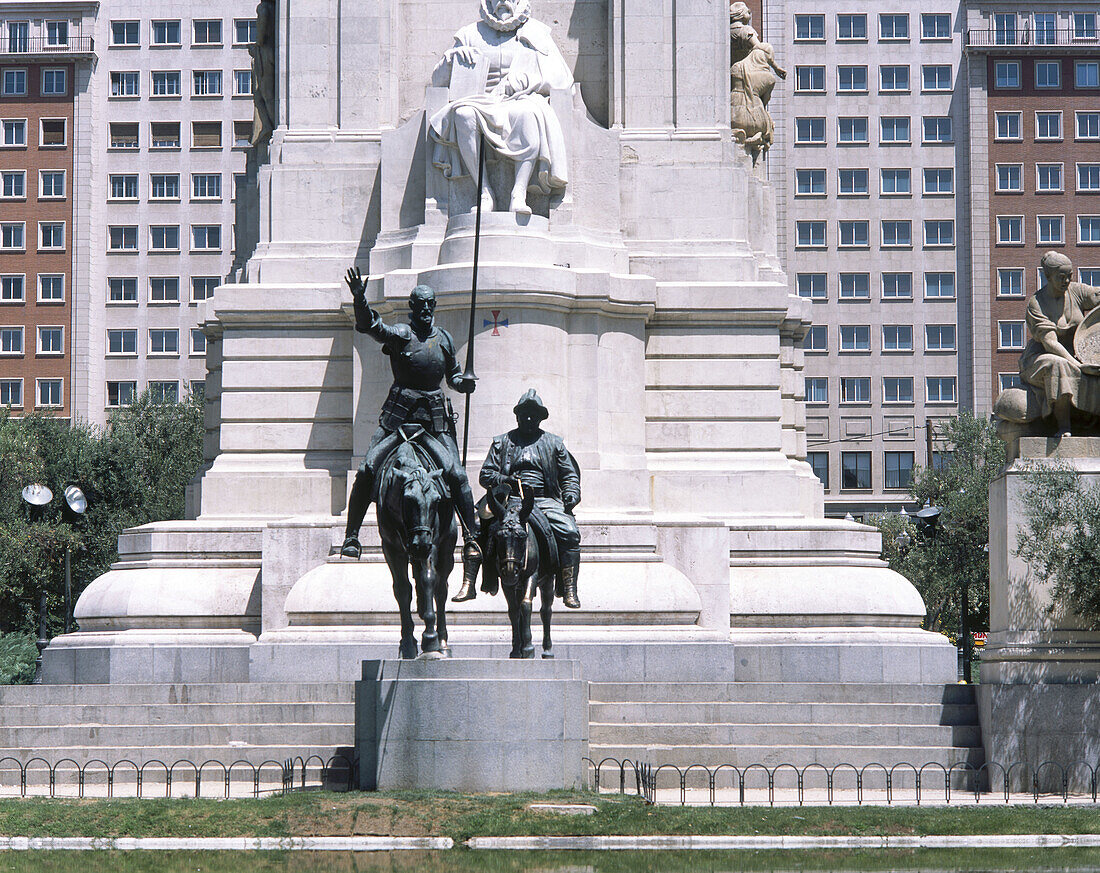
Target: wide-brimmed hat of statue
[532, 401]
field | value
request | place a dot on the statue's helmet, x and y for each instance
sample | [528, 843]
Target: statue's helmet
[531, 401]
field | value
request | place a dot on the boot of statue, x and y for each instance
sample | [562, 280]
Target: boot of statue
[571, 562]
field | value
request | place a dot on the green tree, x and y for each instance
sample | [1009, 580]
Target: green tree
[939, 561]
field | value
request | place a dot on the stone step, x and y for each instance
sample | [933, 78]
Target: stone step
[779, 692]
[800, 756]
[234, 692]
[254, 754]
[773, 713]
[29, 715]
[47, 737]
[706, 734]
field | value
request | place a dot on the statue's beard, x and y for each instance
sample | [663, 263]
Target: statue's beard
[510, 23]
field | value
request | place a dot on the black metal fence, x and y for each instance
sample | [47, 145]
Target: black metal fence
[1049, 778]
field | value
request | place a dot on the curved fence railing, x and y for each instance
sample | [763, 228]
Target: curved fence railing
[184, 777]
[903, 782]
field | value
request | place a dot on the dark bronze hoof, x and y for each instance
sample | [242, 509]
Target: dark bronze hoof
[547, 656]
[408, 650]
[351, 548]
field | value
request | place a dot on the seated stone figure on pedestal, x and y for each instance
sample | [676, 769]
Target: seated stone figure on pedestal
[1060, 367]
[421, 356]
[502, 70]
[539, 461]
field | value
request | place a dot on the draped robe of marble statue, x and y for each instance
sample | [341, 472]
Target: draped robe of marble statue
[501, 69]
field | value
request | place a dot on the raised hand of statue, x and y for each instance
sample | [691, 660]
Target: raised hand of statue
[354, 278]
[464, 54]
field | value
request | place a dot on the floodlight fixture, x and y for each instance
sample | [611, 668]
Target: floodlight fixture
[37, 495]
[76, 500]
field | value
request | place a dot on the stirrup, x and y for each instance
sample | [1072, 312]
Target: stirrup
[351, 548]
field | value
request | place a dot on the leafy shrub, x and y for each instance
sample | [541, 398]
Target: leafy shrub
[18, 653]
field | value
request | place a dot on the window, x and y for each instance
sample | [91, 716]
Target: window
[1084, 25]
[206, 237]
[810, 234]
[816, 339]
[13, 83]
[819, 463]
[853, 182]
[198, 341]
[1010, 230]
[11, 340]
[1048, 125]
[940, 389]
[202, 287]
[935, 25]
[897, 286]
[124, 33]
[166, 33]
[1010, 335]
[1046, 28]
[121, 393]
[164, 186]
[12, 289]
[123, 186]
[1051, 229]
[53, 83]
[817, 389]
[893, 26]
[853, 130]
[809, 182]
[164, 237]
[242, 134]
[52, 132]
[11, 392]
[15, 132]
[894, 129]
[939, 286]
[13, 235]
[851, 79]
[939, 338]
[51, 341]
[1089, 275]
[1010, 380]
[855, 338]
[57, 33]
[855, 286]
[125, 84]
[937, 128]
[854, 234]
[164, 289]
[809, 79]
[940, 180]
[896, 181]
[208, 32]
[164, 135]
[197, 388]
[207, 83]
[851, 27]
[1088, 229]
[206, 186]
[51, 235]
[809, 27]
[1086, 74]
[242, 82]
[122, 341]
[1010, 178]
[1010, 282]
[894, 77]
[122, 289]
[1008, 125]
[206, 134]
[809, 131]
[897, 389]
[122, 238]
[164, 341]
[899, 469]
[13, 184]
[939, 232]
[1088, 177]
[51, 288]
[855, 470]
[166, 83]
[244, 31]
[812, 286]
[897, 337]
[897, 233]
[49, 392]
[1088, 125]
[1048, 74]
[51, 183]
[164, 392]
[123, 135]
[1048, 177]
[936, 77]
[855, 389]
[1006, 74]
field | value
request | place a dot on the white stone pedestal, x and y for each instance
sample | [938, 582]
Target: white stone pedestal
[471, 725]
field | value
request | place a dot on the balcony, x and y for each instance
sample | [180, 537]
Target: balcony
[38, 47]
[1024, 38]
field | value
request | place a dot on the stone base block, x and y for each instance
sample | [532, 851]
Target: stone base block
[471, 725]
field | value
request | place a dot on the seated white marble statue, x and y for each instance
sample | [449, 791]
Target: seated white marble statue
[501, 71]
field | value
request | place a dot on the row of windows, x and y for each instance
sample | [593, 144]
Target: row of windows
[19, 35]
[52, 83]
[857, 286]
[52, 133]
[894, 233]
[1041, 28]
[166, 135]
[1008, 75]
[1010, 280]
[204, 32]
[855, 182]
[893, 130]
[13, 236]
[895, 338]
[48, 392]
[166, 186]
[51, 340]
[169, 83]
[164, 238]
[124, 393]
[855, 469]
[51, 184]
[1009, 178]
[1048, 125]
[122, 342]
[892, 26]
[895, 389]
[13, 288]
[162, 289]
[1049, 230]
[852, 78]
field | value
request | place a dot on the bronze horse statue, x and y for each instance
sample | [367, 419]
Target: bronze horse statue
[416, 522]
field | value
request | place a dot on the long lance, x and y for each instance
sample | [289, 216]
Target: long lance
[469, 373]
